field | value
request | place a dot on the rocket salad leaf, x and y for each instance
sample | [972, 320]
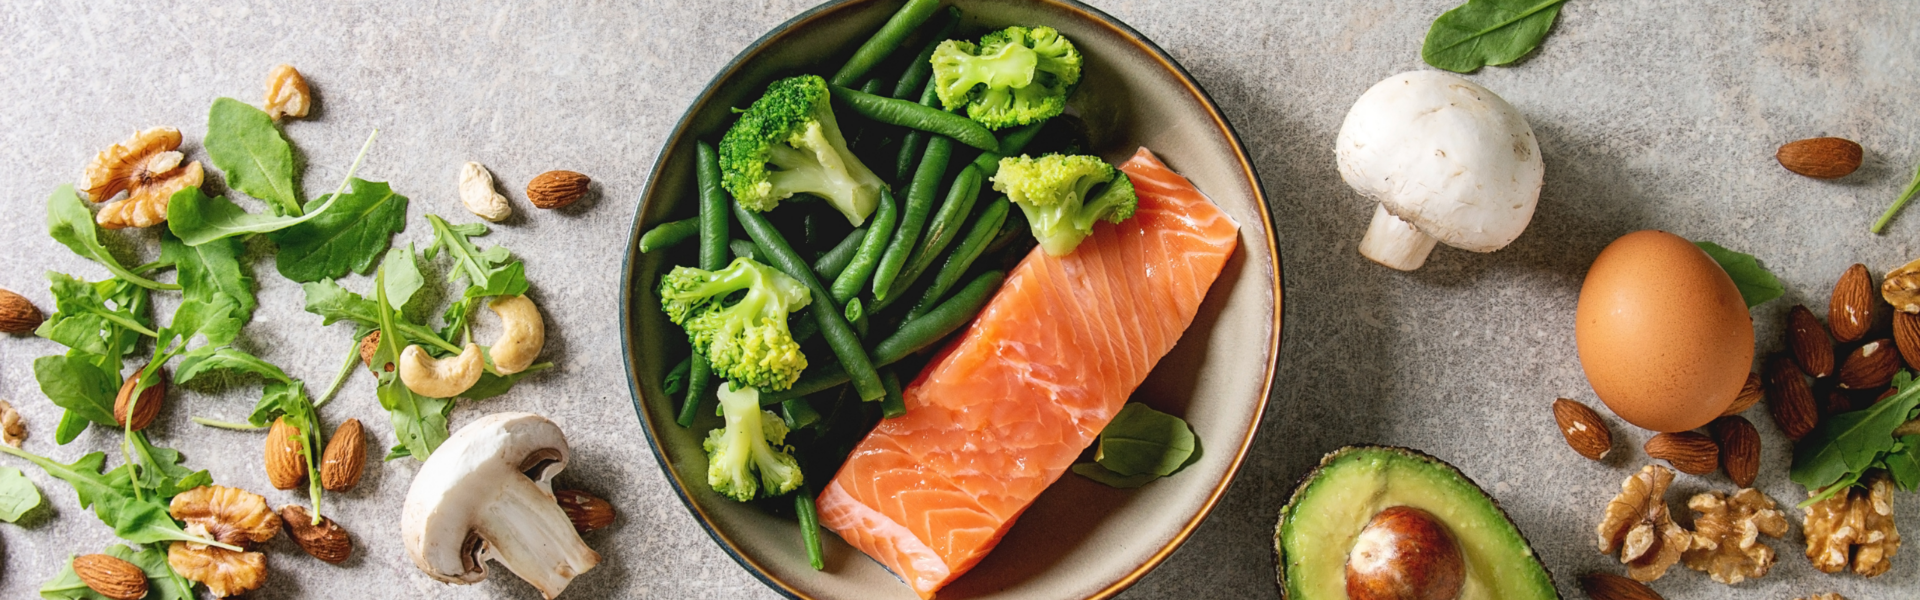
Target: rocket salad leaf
[350, 236]
[1844, 447]
[209, 268]
[71, 224]
[17, 494]
[243, 142]
[418, 421]
[1757, 284]
[136, 513]
[1488, 32]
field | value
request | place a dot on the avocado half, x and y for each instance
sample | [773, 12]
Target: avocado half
[1335, 501]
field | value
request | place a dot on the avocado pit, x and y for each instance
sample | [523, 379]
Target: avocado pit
[1404, 554]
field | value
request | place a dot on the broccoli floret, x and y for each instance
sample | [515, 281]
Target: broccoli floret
[788, 143]
[1014, 76]
[745, 340]
[1052, 191]
[750, 444]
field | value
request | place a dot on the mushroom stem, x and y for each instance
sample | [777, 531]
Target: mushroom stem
[1393, 242]
[527, 531]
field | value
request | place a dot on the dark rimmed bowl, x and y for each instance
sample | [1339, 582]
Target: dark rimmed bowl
[1080, 539]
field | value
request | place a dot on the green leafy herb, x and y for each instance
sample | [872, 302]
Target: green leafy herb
[491, 385]
[1140, 445]
[162, 582]
[211, 268]
[71, 224]
[17, 494]
[199, 363]
[137, 513]
[350, 236]
[199, 219]
[1488, 32]
[334, 303]
[1757, 284]
[490, 272]
[80, 386]
[403, 277]
[419, 422]
[1844, 447]
[1093, 470]
[1913, 188]
[244, 143]
[82, 319]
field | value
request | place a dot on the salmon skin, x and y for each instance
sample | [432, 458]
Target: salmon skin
[1001, 412]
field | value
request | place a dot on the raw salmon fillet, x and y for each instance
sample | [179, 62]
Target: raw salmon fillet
[1008, 407]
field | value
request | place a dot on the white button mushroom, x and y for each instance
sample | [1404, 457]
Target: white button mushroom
[1447, 160]
[487, 494]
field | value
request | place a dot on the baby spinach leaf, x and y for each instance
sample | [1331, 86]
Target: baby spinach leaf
[1488, 32]
[71, 224]
[403, 277]
[78, 385]
[1144, 441]
[211, 268]
[17, 494]
[244, 143]
[1846, 445]
[1757, 284]
[162, 582]
[347, 237]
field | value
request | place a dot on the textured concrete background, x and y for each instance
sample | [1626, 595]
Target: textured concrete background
[1650, 115]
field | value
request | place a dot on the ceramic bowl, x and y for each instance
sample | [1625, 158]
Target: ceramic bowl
[1080, 539]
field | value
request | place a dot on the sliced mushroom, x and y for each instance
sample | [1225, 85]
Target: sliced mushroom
[522, 334]
[440, 377]
[487, 494]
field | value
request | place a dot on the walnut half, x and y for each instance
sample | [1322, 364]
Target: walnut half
[225, 572]
[1638, 524]
[1856, 524]
[228, 515]
[148, 168]
[1726, 535]
[287, 93]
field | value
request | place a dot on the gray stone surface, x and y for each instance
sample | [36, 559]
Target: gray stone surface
[1650, 115]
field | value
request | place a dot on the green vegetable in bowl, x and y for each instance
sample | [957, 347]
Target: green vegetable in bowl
[1054, 192]
[789, 143]
[751, 444]
[746, 341]
[1014, 76]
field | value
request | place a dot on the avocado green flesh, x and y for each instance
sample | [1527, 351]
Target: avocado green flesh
[1318, 528]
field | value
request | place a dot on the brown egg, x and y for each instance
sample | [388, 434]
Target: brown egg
[1664, 337]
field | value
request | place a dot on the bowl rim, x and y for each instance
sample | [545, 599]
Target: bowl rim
[1095, 15]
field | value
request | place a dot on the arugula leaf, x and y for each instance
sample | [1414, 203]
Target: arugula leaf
[78, 385]
[491, 272]
[210, 268]
[347, 237]
[1488, 32]
[214, 318]
[403, 277]
[135, 517]
[1757, 284]
[1904, 463]
[83, 321]
[71, 224]
[17, 494]
[257, 160]
[334, 303]
[211, 359]
[1846, 445]
[491, 385]
[419, 422]
[162, 582]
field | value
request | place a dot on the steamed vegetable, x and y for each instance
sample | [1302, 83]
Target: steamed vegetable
[746, 458]
[745, 341]
[789, 143]
[1014, 76]
[1056, 193]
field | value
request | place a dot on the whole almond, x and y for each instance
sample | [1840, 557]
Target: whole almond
[1809, 342]
[1850, 310]
[1906, 336]
[1608, 586]
[111, 577]
[1901, 288]
[585, 510]
[1739, 448]
[1583, 428]
[556, 189]
[17, 314]
[1870, 366]
[1837, 402]
[345, 458]
[144, 408]
[1790, 399]
[1750, 394]
[286, 465]
[1820, 158]
[1687, 451]
[326, 541]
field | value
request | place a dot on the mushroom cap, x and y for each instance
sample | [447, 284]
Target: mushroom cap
[1444, 154]
[466, 474]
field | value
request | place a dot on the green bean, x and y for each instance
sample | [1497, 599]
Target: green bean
[894, 111]
[863, 129]
[916, 140]
[861, 267]
[810, 527]
[798, 413]
[745, 249]
[983, 231]
[895, 403]
[840, 336]
[945, 226]
[835, 261]
[802, 326]
[713, 210]
[876, 48]
[1011, 143]
[1014, 229]
[676, 379]
[921, 69]
[669, 234]
[855, 310]
[912, 337]
[919, 202]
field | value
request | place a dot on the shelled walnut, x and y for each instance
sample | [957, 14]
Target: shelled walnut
[148, 166]
[223, 571]
[1726, 535]
[13, 431]
[287, 93]
[228, 515]
[1638, 524]
[1854, 525]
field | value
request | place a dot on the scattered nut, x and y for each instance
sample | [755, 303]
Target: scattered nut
[1901, 288]
[345, 458]
[1638, 525]
[1726, 535]
[1583, 428]
[1850, 310]
[1856, 523]
[13, 430]
[285, 455]
[144, 408]
[224, 572]
[1687, 451]
[17, 314]
[522, 334]
[1812, 349]
[111, 577]
[1820, 158]
[476, 191]
[1608, 586]
[325, 540]
[1871, 365]
[147, 167]
[287, 93]
[585, 510]
[1750, 394]
[1739, 448]
[440, 377]
[1790, 399]
[557, 189]
[1906, 336]
[228, 515]
[1837, 402]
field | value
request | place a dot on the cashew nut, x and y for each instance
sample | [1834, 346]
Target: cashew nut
[522, 334]
[440, 377]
